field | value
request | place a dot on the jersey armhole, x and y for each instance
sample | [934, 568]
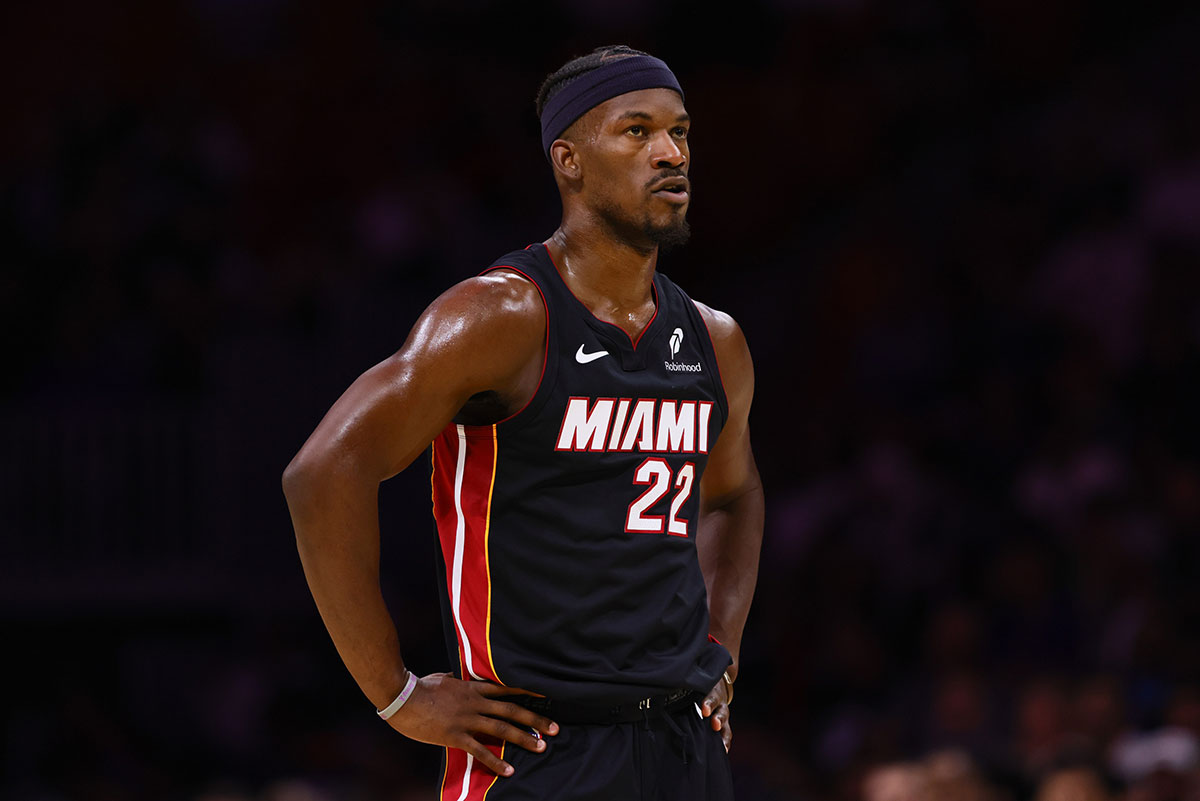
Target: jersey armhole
[537, 399]
[718, 381]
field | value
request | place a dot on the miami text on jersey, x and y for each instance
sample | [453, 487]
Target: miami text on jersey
[645, 425]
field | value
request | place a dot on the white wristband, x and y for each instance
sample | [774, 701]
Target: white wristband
[394, 706]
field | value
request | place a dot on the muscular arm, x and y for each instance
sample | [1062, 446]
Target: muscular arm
[731, 506]
[484, 335]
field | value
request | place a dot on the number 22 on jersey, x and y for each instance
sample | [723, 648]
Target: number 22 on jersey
[656, 473]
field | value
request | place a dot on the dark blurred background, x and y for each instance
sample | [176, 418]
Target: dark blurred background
[963, 239]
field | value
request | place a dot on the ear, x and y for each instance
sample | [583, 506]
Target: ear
[564, 157]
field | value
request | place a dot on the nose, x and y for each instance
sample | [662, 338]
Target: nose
[666, 152]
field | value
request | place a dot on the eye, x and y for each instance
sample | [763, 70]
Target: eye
[680, 132]
[636, 130]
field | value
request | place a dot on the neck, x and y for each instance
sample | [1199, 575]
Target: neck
[607, 273]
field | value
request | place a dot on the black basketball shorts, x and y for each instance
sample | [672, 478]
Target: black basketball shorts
[672, 756]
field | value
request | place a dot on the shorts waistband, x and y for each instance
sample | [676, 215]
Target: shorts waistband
[572, 713]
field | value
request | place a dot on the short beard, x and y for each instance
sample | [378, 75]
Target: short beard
[669, 237]
[647, 236]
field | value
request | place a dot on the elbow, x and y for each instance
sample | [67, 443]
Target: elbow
[297, 479]
[301, 486]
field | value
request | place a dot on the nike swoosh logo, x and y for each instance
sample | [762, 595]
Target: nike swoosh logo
[584, 358]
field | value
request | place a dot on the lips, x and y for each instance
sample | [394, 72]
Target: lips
[675, 188]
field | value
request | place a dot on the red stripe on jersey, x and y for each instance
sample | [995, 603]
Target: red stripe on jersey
[465, 778]
[464, 459]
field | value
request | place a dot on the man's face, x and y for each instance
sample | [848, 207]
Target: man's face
[635, 159]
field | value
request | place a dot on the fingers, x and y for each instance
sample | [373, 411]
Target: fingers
[506, 731]
[519, 714]
[485, 757]
[720, 718]
[711, 701]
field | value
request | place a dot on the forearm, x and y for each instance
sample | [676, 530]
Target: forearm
[336, 519]
[729, 540]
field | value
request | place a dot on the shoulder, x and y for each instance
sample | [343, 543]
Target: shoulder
[488, 325]
[503, 290]
[502, 284]
[728, 340]
[722, 328]
[497, 298]
[733, 354]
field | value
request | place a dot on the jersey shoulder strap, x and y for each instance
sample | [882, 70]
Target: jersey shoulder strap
[529, 262]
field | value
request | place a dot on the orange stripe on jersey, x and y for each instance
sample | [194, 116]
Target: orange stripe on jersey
[463, 479]
[487, 549]
[445, 772]
[433, 479]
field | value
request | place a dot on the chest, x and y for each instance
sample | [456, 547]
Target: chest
[653, 395]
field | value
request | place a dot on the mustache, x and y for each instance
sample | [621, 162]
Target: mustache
[668, 173]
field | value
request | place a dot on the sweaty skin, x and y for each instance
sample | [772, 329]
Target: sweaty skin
[475, 356]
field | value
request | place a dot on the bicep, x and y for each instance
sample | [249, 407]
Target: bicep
[731, 470]
[383, 421]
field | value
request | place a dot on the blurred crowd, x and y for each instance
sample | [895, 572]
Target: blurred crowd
[963, 240]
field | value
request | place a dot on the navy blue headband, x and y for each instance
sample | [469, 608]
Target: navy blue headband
[621, 75]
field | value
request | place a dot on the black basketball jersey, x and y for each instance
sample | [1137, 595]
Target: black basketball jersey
[568, 530]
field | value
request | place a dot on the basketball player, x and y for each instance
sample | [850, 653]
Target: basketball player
[596, 498]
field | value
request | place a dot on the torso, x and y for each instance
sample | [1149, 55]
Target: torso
[568, 524]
